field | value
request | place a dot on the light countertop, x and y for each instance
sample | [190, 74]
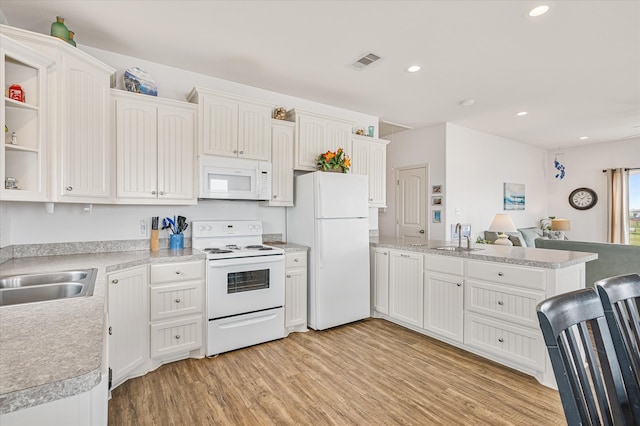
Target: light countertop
[52, 350]
[526, 256]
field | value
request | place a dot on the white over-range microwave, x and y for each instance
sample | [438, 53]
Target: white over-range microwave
[234, 178]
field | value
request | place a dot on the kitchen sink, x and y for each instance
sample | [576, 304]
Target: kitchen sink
[456, 248]
[30, 288]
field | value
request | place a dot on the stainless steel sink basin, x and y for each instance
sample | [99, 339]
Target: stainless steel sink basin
[456, 248]
[29, 288]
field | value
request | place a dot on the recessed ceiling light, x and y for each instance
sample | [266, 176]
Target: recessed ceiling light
[413, 68]
[583, 137]
[521, 113]
[538, 10]
[468, 102]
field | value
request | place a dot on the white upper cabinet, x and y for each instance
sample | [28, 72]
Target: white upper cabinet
[370, 158]
[317, 134]
[232, 126]
[282, 140]
[23, 153]
[77, 111]
[155, 149]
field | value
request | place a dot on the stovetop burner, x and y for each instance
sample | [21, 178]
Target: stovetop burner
[217, 250]
[232, 247]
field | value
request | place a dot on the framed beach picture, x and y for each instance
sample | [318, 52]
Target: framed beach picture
[436, 216]
[436, 201]
[513, 196]
[436, 189]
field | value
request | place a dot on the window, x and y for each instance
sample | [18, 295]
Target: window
[634, 207]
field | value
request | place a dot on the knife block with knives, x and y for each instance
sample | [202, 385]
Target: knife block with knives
[155, 242]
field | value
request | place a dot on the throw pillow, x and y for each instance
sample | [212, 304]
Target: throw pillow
[530, 235]
[554, 235]
[516, 239]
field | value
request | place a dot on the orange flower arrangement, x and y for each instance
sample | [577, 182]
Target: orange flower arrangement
[334, 161]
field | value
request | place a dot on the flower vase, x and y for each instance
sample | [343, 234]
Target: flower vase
[338, 170]
[59, 29]
[71, 41]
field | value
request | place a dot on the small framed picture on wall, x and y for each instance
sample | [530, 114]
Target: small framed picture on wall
[436, 189]
[436, 201]
[437, 216]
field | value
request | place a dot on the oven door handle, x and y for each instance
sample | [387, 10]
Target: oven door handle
[221, 263]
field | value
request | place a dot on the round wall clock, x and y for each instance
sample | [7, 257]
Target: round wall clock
[583, 198]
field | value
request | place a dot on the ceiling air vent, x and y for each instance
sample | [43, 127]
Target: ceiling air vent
[365, 61]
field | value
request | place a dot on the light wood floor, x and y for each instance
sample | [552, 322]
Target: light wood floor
[371, 372]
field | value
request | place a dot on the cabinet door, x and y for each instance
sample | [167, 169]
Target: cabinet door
[219, 126]
[128, 321]
[295, 307]
[136, 149]
[176, 154]
[381, 281]
[405, 287]
[443, 305]
[311, 136]
[254, 131]
[282, 164]
[85, 162]
[338, 136]
[378, 175]
[360, 157]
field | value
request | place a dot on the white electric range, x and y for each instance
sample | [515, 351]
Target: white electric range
[244, 284]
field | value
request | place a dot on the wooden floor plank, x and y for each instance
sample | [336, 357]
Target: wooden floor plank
[370, 372]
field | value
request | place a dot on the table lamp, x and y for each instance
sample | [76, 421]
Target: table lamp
[502, 223]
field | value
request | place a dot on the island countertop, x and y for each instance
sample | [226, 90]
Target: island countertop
[54, 349]
[526, 256]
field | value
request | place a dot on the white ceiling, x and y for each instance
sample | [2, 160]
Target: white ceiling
[576, 70]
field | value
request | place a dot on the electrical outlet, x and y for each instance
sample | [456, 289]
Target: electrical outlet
[143, 228]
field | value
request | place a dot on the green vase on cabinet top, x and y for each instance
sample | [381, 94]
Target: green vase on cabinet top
[71, 41]
[59, 29]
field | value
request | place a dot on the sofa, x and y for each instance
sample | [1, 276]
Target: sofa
[613, 259]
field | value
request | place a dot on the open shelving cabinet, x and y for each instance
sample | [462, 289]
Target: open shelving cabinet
[24, 161]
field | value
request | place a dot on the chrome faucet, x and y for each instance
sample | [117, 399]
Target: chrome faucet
[459, 232]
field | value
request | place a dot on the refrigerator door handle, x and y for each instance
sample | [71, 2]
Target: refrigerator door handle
[319, 245]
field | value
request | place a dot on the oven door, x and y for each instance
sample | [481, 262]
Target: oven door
[242, 285]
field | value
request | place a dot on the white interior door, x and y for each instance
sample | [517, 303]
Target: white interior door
[411, 212]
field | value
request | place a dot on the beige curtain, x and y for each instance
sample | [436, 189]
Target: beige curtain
[618, 184]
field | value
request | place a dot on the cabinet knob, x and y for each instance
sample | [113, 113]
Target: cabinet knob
[114, 281]
[459, 284]
[178, 272]
[235, 151]
[404, 255]
[501, 340]
[161, 192]
[178, 337]
[288, 276]
[110, 331]
[370, 199]
[385, 253]
[69, 188]
[275, 196]
[295, 260]
[178, 300]
[422, 231]
[153, 192]
[500, 302]
[500, 274]
[241, 152]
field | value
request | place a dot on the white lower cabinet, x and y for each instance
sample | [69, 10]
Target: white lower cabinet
[155, 316]
[444, 296]
[128, 309]
[380, 279]
[406, 287]
[488, 308]
[295, 307]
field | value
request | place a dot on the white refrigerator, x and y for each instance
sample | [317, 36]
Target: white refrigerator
[330, 217]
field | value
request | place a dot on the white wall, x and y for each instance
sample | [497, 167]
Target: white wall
[409, 148]
[583, 168]
[25, 223]
[477, 166]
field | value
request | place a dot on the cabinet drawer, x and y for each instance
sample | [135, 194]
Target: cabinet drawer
[507, 274]
[504, 302]
[176, 272]
[169, 301]
[171, 337]
[514, 344]
[443, 264]
[296, 260]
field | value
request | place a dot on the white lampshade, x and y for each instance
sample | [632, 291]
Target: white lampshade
[502, 223]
